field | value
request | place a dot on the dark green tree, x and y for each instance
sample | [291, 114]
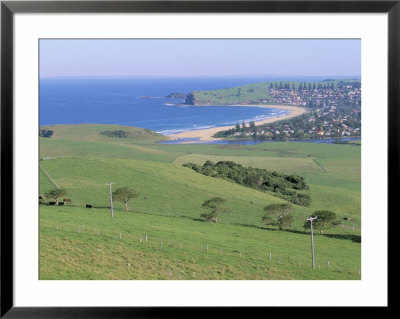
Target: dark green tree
[324, 221]
[214, 206]
[124, 194]
[278, 215]
[45, 133]
[55, 194]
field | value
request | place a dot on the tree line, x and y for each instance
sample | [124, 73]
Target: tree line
[282, 185]
[122, 194]
[276, 215]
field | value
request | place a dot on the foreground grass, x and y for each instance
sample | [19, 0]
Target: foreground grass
[79, 243]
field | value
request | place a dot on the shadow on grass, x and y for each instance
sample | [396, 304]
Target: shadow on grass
[354, 238]
[76, 206]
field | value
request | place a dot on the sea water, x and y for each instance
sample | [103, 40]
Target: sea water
[141, 102]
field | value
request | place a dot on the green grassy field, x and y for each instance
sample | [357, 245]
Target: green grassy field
[81, 243]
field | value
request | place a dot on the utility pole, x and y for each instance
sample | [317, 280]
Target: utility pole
[311, 219]
[112, 211]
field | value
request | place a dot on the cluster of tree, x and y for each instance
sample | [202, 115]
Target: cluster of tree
[351, 84]
[55, 194]
[45, 133]
[214, 206]
[302, 86]
[325, 220]
[242, 128]
[284, 186]
[279, 215]
[119, 133]
[124, 194]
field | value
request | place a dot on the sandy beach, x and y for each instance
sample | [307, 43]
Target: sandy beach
[206, 134]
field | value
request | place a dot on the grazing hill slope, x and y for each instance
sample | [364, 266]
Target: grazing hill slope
[81, 243]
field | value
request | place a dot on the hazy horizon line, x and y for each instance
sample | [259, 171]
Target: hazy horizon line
[197, 76]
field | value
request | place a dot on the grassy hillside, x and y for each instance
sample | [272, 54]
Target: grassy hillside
[93, 133]
[81, 243]
[78, 243]
[255, 93]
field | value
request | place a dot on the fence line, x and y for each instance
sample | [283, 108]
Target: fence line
[267, 256]
[48, 175]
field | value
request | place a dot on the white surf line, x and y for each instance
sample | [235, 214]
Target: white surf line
[48, 175]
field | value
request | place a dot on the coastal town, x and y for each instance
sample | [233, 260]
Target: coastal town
[334, 110]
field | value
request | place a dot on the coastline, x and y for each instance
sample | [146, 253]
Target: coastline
[207, 134]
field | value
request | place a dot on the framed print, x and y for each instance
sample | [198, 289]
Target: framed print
[163, 155]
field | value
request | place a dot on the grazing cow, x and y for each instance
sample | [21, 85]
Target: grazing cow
[67, 200]
[214, 220]
[60, 203]
[52, 203]
[88, 206]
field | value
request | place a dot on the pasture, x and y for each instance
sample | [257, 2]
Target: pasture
[168, 210]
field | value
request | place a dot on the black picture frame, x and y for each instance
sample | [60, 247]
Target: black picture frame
[9, 8]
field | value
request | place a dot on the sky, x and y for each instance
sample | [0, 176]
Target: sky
[199, 57]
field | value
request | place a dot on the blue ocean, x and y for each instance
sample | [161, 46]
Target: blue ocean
[141, 102]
